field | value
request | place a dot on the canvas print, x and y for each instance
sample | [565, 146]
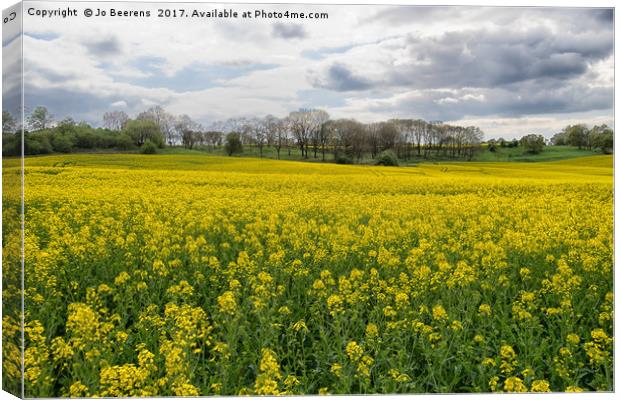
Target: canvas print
[207, 199]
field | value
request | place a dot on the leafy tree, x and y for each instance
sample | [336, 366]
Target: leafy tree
[40, 118]
[148, 147]
[602, 137]
[8, 122]
[62, 143]
[559, 139]
[36, 144]
[141, 130]
[577, 135]
[388, 158]
[233, 144]
[533, 143]
[122, 141]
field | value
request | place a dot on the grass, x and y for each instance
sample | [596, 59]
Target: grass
[550, 153]
[505, 154]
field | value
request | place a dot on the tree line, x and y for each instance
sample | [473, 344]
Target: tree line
[314, 135]
[598, 137]
[310, 133]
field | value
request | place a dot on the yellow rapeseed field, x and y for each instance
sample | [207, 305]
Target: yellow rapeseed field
[194, 275]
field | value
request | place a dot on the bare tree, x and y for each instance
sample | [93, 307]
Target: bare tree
[270, 123]
[348, 138]
[257, 129]
[324, 136]
[188, 130]
[213, 138]
[372, 138]
[301, 128]
[115, 120]
[317, 119]
[166, 122]
[389, 136]
[277, 132]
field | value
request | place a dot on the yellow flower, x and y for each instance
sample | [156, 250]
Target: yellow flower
[335, 304]
[363, 366]
[318, 285]
[528, 297]
[527, 373]
[269, 368]
[227, 303]
[599, 335]
[484, 309]
[185, 389]
[488, 362]
[291, 381]
[354, 351]
[398, 376]
[401, 300]
[572, 339]
[121, 337]
[456, 325]
[216, 388]
[122, 380]
[514, 384]
[389, 312]
[183, 288]
[372, 331]
[77, 389]
[60, 349]
[540, 386]
[300, 325]
[335, 369]
[507, 352]
[439, 313]
[121, 278]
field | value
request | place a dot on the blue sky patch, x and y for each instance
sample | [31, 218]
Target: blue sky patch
[194, 77]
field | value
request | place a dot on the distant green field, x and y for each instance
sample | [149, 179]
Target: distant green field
[550, 153]
[502, 154]
[518, 154]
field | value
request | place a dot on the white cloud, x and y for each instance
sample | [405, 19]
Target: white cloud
[391, 62]
[119, 104]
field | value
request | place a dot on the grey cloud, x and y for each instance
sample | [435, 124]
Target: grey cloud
[104, 47]
[340, 78]
[487, 59]
[414, 14]
[289, 31]
[572, 19]
[605, 15]
[11, 77]
[81, 105]
[530, 99]
[481, 58]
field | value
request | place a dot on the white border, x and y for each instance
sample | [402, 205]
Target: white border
[521, 3]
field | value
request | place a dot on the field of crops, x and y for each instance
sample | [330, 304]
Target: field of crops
[186, 275]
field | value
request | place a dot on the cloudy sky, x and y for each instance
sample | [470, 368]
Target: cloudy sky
[510, 71]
